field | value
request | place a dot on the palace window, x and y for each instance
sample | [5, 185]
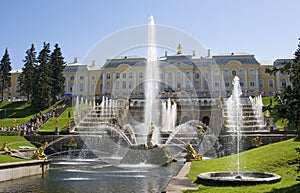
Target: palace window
[123, 85]
[197, 75]
[241, 72]
[141, 75]
[72, 78]
[130, 75]
[130, 85]
[252, 82]
[226, 72]
[81, 87]
[271, 83]
[227, 84]
[252, 73]
[261, 83]
[233, 72]
[92, 87]
[117, 75]
[124, 75]
[107, 75]
[81, 77]
[93, 78]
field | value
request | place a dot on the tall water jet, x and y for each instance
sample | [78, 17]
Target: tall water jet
[151, 82]
[235, 124]
[169, 115]
[236, 115]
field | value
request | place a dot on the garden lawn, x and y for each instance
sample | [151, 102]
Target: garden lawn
[15, 141]
[276, 158]
[50, 125]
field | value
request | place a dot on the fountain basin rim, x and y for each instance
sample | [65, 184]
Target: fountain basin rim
[229, 178]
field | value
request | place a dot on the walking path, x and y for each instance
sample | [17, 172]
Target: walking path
[181, 182]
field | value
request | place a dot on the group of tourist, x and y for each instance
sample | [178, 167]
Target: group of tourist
[32, 126]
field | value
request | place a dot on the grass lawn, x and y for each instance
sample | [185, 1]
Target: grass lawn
[19, 111]
[15, 141]
[50, 125]
[275, 158]
[6, 159]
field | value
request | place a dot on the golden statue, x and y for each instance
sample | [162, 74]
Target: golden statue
[179, 49]
[192, 154]
[5, 148]
[201, 129]
[39, 152]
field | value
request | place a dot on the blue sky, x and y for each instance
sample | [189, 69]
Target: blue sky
[267, 28]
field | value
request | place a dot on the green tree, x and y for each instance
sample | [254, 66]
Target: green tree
[57, 66]
[41, 93]
[289, 98]
[26, 78]
[5, 76]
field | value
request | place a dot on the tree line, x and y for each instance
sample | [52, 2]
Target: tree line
[41, 80]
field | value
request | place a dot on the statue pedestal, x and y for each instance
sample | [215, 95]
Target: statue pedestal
[157, 155]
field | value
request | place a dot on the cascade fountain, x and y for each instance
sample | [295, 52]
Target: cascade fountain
[235, 119]
[169, 114]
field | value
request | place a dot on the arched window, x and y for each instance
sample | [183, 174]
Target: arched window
[252, 82]
[227, 83]
[197, 75]
[241, 72]
[141, 75]
[117, 75]
[252, 72]
[233, 72]
[107, 75]
[124, 75]
[130, 75]
[271, 83]
[81, 87]
[72, 78]
[226, 72]
[123, 85]
[92, 87]
[71, 87]
[130, 85]
[81, 77]
[93, 78]
[242, 82]
[261, 83]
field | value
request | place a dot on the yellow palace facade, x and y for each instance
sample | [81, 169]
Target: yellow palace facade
[180, 76]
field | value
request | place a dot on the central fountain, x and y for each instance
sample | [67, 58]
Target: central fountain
[235, 121]
[107, 131]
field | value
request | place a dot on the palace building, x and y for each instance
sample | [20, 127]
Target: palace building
[181, 75]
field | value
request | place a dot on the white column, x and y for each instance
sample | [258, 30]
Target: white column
[256, 80]
[277, 81]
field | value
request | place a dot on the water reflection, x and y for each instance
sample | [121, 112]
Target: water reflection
[94, 176]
